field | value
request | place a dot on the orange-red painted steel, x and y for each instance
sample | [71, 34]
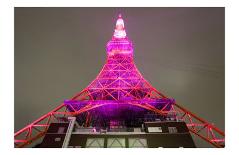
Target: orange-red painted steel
[196, 125]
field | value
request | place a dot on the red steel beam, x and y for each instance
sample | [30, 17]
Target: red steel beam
[48, 117]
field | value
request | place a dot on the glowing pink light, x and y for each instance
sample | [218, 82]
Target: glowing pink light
[119, 82]
[119, 78]
[119, 44]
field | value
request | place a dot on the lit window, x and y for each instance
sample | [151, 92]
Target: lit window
[137, 142]
[155, 129]
[115, 142]
[58, 139]
[172, 130]
[95, 142]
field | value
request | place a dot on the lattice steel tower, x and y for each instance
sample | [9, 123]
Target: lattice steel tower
[119, 92]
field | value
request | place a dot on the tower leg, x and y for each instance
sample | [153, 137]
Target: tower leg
[88, 119]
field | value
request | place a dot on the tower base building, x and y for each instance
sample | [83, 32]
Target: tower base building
[165, 134]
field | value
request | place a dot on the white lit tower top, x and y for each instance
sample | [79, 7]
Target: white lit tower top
[119, 44]
[119, 28]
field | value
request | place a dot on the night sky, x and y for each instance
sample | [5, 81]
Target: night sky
[180, 51]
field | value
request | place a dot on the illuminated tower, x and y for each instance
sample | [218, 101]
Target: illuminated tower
[119, 86]
[119, 80]
[120, 96]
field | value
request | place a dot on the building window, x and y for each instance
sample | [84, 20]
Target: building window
[115, 142]
[58, 139]
[172, 130]
[155, 129]
[95, 142]
[61, 130]
[137, 142]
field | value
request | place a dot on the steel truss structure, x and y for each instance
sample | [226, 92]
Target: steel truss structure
[196, 125]
[119, 83]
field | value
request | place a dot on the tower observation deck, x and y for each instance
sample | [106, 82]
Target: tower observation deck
[119, 100]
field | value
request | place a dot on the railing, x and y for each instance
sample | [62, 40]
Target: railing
[196, 125]
[200, 127]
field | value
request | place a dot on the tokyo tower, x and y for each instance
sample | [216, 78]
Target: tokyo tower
[119, 108]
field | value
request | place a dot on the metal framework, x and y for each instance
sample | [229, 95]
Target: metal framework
[119, 82]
